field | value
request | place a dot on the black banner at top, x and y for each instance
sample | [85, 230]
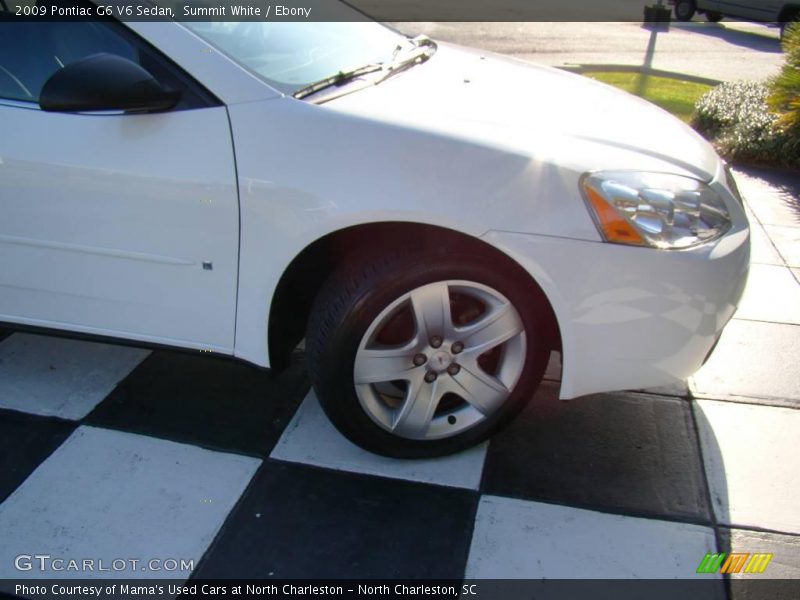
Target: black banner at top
[329, 10]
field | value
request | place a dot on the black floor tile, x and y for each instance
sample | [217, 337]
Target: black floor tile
[212, 402]
[618, 452]
[302, 522]
[25, 442]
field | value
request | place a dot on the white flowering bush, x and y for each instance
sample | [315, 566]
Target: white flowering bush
[736, 117]
[757, 122]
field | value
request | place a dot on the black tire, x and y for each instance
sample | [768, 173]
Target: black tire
[354, 297]
[713, 17]
[684, 10]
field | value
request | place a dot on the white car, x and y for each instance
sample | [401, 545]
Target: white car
[431, 219]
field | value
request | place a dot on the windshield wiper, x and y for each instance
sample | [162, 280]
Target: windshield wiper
[423, 49]
[337, 79]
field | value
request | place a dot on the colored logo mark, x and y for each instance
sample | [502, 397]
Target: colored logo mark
[736, 562]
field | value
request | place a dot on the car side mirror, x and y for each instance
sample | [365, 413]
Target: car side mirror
[105, 82]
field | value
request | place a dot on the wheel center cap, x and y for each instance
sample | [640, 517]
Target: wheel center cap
[441, 360]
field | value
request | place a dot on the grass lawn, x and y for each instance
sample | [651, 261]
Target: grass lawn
[674, 95]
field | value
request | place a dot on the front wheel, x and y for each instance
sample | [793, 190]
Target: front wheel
[427, 354]
[684, 10]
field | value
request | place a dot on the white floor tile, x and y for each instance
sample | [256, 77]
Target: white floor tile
[772, 294]
[752, 360]
[311, 439]
[60, 377]
[111, 495]
[515, 539]
[751, 460]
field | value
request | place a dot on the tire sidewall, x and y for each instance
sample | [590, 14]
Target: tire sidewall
[684, 10]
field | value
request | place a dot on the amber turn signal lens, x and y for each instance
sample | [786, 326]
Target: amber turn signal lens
[615, 228]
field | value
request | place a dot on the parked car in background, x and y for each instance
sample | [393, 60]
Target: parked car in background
[433, 220]
[764, 11]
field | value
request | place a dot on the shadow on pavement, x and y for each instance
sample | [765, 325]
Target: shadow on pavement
[747, 39]
[785, 183]
[630, 453]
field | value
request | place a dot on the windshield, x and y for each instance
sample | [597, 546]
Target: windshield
[292, 55]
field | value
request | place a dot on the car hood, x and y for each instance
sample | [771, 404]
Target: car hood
[545, 113]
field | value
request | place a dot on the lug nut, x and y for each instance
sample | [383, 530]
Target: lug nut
[457, 348]
[430, 376]
[453, 369]
[420, 359]
[436, 341]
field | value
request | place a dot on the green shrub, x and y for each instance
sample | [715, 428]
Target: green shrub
[757, 122]
[784, 96]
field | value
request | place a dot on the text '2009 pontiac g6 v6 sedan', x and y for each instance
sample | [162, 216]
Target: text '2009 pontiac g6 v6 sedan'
[433, 221]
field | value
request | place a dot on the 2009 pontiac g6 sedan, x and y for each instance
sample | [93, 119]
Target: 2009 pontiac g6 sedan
[433, 221]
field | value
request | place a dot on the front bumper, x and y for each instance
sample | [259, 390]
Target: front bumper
[629, 317]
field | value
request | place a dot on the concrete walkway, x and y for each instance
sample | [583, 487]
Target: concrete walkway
[758, 358]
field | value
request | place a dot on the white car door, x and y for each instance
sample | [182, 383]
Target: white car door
[116, 224]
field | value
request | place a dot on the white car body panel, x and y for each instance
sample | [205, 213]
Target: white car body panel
[107, 220]
[543, 113]
[492, 148]
[512, 171]
[621, 329]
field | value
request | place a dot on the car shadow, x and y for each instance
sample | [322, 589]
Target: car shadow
[753, 40]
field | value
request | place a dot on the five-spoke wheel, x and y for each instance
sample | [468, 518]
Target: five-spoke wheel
[463, 352]
[421, 357]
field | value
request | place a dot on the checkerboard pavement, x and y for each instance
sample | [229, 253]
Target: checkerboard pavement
[120, 452]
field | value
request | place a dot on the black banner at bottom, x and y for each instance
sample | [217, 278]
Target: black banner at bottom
[562, 589]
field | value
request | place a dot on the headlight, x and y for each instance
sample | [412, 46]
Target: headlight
[654, 209]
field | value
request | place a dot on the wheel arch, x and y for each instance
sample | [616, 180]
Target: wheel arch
[303, 277]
